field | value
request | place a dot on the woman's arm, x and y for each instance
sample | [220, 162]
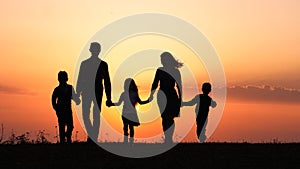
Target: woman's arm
[154, 84]
[179, 86]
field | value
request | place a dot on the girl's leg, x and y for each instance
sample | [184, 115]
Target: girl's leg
[131, 128]
[125, 129]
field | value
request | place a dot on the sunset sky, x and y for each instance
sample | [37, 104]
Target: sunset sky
[258, 43]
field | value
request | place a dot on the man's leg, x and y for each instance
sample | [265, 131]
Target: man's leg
[86, 105]
[96, 116]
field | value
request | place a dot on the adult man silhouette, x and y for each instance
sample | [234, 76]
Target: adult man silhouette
[93, 71]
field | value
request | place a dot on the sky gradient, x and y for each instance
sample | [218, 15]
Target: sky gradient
[258, 43]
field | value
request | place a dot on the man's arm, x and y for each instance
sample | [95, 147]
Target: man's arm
[80, 80]
[107, 85]
[75, 96]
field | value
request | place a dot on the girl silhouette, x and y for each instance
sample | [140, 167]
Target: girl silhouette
[130, 97]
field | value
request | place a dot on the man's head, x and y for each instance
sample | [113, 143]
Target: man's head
[206, 88]
[95, 48]
[62, 77]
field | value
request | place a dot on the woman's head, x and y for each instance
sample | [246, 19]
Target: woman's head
[129, 85]
[167, 60]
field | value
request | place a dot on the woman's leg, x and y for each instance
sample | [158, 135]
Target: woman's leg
[168, 127]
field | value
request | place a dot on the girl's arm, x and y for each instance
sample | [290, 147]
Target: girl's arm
[192, 102]
[143, 102]
[119, 102]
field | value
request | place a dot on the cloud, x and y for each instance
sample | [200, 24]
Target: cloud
[5, 89]
[264, 94]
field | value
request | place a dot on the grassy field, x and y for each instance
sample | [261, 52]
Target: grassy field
[185, 156]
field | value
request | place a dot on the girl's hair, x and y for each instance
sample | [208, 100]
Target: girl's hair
[129, 85]
[168, 60]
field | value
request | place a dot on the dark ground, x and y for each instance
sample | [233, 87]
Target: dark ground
[209, 155]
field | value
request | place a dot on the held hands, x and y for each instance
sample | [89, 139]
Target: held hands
[77, 99]
[109, 103]
[150, 98]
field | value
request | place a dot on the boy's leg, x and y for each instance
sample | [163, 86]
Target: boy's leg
[62, 134]
[69, 129]
[202, 136]
[201, 129]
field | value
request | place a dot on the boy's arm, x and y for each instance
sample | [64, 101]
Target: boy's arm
[192, 102]
[54, 103]
[213, 104]
[75, 96]
[53, 100]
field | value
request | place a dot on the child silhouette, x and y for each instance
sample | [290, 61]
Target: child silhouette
[203, 102]
[61, 103]
[130, 97]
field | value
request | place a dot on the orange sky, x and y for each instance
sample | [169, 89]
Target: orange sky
[257, 42]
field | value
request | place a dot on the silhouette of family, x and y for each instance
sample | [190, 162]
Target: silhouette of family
[93, 79]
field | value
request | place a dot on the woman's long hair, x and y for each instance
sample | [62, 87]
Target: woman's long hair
[168, 60]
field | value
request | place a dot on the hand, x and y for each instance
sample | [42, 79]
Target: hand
[150, 98]
[78, 101]
[213, 104]
[109, 103]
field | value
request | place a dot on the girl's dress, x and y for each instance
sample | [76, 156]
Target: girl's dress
[129, 113]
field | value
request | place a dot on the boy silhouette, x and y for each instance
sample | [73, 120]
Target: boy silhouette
[61, 103]
[203, 102]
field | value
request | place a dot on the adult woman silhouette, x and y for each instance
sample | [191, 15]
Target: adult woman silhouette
[168, 99]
